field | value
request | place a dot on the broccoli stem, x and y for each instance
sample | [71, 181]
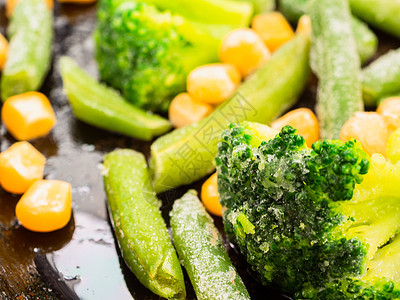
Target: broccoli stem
[374, 221]
[209, 11]
[386, 262]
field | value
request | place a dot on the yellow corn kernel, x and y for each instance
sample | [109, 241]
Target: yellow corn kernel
[370, 128]
[213, 83]
[11, 4]
[3, 51]
[304, 120]
[184, 110]
[273, 29]
[210, 196]
[390, 109]
[20, 166]
[244, 49]
[46, 206]
[304, 25]
[28, 116]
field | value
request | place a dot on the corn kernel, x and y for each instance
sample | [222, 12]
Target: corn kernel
[244, 49]
[11, 4]
[3, 51]
[370, 128]
[273, 29]
[304, 120]
[184, 110]
[20, 166]
[210, 196]
[213, 83]
[28, 116]
[46, 206]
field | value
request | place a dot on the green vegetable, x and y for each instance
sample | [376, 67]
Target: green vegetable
[366, 40]
[337, 65]
[147, 52]
[29, 55]
[186, 154]
[320, 223]
[293, 9]
[381, 78]
[261, 6]
[201, 250]
[101, 106]
[383, 14]
[139, 227]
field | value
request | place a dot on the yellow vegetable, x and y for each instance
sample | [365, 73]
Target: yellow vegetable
[245, 49]
[370, 128]
[210, 196]
[304, 120]
[20, 166]
[390, 109]
[11, 4]
[273, 29]
[28, 116]
[304, 25]
[184, 110]
[46, 206]
[3, 51]
[213, 83]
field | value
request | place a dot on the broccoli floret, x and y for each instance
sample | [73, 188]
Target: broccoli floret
[318, 222]
[146, 51]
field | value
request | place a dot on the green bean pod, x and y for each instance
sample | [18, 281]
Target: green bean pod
[187, 154]
[335, 61]
[103, 107]
[201, 250]
[365, 38]
[139, 227]
[381, 78]
[383, 14]
[29, 55]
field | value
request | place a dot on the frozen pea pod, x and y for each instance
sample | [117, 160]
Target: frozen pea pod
[29, 55]
[365, 38]
[202, 252]
[139, 227]
[103, 107]
[382, 14]
[335, 61]
[381, 78]
[187, 154]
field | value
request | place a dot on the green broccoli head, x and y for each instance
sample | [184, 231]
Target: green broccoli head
[309, 219]
[147, 53]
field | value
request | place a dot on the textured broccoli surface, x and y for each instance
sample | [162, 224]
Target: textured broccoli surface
[146, 51]
[320, 223]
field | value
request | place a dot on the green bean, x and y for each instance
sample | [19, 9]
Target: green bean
[381, 78]
[103, 107]
[187, 154]
[139, 227]
[201, 249]
[366, 40]
[383, 14]
[29, 54]
[334, 59]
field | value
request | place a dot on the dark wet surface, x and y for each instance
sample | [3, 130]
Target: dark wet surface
[82, 260]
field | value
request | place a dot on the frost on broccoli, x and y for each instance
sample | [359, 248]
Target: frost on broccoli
[317, 222]
[147, 52]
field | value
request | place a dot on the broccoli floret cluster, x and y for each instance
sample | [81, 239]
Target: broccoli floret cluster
[147, 53]
[311, 221]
